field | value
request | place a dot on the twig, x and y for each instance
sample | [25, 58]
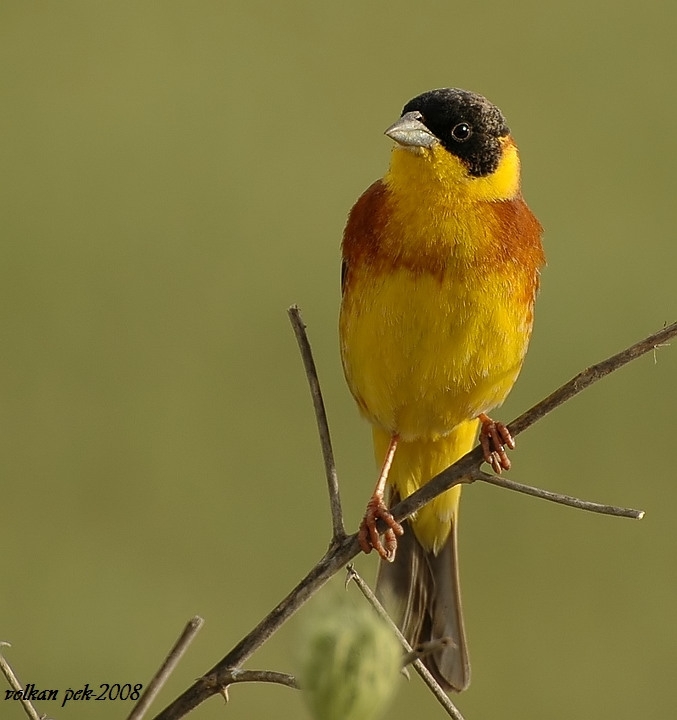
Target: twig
[213, 681]
[341, 553]
[237, 675]
[416, 662]
[569, 500]
[160, 678]
[466, 471]
[338, 528]
[14, 683]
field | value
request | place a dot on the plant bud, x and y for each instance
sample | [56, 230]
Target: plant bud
[350, 662]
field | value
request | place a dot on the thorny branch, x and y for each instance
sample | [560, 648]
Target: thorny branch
[344, 549]
[267, 676]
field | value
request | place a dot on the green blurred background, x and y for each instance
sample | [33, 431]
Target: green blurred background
[173, 176]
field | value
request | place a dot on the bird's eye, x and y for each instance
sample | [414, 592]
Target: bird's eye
[461, 132]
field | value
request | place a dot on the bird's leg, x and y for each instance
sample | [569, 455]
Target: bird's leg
[494, 437]
[368, 536]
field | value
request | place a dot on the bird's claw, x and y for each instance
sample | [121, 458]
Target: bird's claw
[368, 535]
[494, 438]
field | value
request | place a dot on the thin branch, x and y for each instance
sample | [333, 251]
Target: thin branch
[339, 554]
[14, 683]
[213, 681]
[237, 675]
[411, 654]
[338, 528]
[466, 471]
[161, 676]
[569, 500]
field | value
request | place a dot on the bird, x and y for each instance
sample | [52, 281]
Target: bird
[441, 262]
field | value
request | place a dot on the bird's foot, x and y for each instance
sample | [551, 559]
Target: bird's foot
[368, 536]
[494, 438]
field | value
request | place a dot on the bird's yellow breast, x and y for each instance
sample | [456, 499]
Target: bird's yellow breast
[424, 353]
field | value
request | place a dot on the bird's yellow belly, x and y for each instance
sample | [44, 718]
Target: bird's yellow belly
[424, 353]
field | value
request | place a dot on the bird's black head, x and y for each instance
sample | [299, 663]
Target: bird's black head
[466, 124]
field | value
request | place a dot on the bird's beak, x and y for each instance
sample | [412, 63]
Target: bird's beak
[410, 132]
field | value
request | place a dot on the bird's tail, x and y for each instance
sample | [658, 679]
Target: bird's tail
[420, 589]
